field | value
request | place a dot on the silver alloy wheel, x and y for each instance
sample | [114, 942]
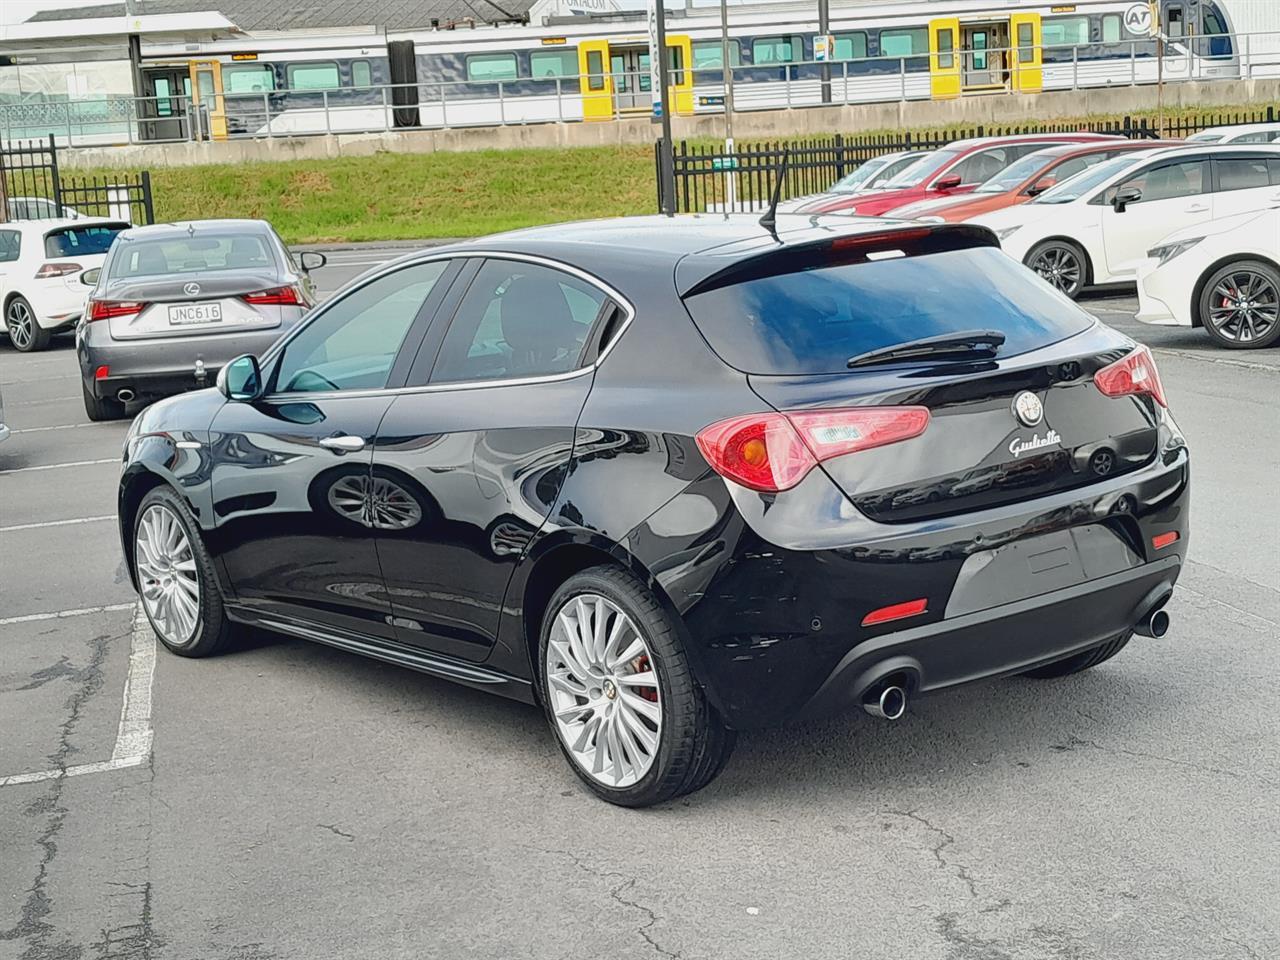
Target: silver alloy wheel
[375, 502]
[21, 324]
[1060, 266]
[1245, 306]
[167, 574]
[603, 691]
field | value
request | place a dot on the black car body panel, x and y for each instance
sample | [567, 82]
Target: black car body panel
[509, 486]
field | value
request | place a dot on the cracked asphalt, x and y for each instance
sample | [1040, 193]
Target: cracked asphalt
[304, 804]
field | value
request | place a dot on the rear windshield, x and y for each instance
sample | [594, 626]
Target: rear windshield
[81, 241]
[193, 254]
[816, 320]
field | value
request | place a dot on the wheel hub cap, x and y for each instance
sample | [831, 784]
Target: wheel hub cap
[167, 574]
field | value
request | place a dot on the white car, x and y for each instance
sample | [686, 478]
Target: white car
[40, 208]
[41, 265]
[1097, 227]
[1238, 133]
[871, 175]
[1219, 275]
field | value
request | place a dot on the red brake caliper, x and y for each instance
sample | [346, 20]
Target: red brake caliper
[640, 664]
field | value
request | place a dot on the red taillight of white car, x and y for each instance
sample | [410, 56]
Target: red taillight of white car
[50, 270]
[772, 452]
[1132, 375]
[106, 309]
[276, 296]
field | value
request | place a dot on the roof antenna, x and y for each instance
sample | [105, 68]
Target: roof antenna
[770, 219]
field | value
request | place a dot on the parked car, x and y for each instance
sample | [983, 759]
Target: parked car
[1238, 133]
[1220, 276]
[957, 168]
[870, 175]
[41, 265]
[41, 208]
[646, 472]
[1024, 180]
[1097, 227]
[174, 302]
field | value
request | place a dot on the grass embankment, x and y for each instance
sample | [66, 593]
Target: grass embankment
[417, 196]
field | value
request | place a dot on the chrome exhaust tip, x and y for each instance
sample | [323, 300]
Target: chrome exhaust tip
[125, 395]
[887, 703]
[1155, 624]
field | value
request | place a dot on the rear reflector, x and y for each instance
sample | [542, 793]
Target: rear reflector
[102, 372]
[106, 309]
[772, 452]
[1132, 375]
[57, 270]
[278, 296]
[897, 611]
[1162, 540]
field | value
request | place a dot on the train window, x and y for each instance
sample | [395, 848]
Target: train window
[905, 43]
[361, 74]
[1173, 21]
[1212, 21]
[1065, 31]
[248, 79]
[709, 55]
[1111, 28]
[312, 76]
[491, 67]
[946, 43]
[675, 64]
[851, 46]
[549, 64]
[595, 70]
[1026, 43]
[765, 50]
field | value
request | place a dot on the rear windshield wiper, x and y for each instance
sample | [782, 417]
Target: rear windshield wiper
[964, 345]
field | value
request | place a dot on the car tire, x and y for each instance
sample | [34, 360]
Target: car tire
[1236, 327]
[26, 335]
[99, 409]
[1062, 264]
[1082, 661]
[177, 585]
[593, 710]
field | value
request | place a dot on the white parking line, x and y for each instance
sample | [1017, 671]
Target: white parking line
[63, 614]
[56, 523]
[32, 403]
[59, 466]
[134, 735]
[61, 426]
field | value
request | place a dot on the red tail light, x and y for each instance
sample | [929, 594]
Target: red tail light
[57, 270]
[106, 309]
[1133, 375]
[1162, 540]
[897, 611]
[277, 296]
[771, 452]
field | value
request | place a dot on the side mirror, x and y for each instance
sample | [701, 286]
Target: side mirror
[241, 379]
[1125, 197]
[311, 260]
[1041, 185]
[948, 183]
[90, 277]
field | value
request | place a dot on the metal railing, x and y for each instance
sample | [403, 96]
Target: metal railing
[33, 188]
[471, 103]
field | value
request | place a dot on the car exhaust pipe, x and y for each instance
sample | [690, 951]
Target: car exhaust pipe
[125, 395]
[1155, 624]
[888, 702]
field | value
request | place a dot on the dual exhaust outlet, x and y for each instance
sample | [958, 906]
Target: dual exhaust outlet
[888, 699]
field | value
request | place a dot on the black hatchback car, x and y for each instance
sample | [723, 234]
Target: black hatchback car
[670, 479]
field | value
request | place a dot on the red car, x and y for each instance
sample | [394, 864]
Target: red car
[957, 168]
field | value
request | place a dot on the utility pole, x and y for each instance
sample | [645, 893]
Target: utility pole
[727, 70]
[662, 103]
[824, 28]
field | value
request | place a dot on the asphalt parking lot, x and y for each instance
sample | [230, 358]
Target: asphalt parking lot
[291, 801]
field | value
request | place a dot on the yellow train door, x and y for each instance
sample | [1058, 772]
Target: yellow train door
[944, 60]
[206, 97]
[680, 73]
[1028, 72]
[595, 79]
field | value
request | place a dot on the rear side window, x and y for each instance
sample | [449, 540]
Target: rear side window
[81, 241]
[1242, 173]
[10, 245]
[814, 321]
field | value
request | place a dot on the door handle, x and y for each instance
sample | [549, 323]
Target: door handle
[1197, 208]
[343, 444]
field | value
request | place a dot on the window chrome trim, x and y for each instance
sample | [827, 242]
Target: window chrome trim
[401, 264]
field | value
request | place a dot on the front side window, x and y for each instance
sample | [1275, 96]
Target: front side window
[906, 43]
[981, 166]
[258, 78]
[10, 245]
[1065, 31]
[312, 76]
[549, 64]
[352, 344]
[361, 74]
[1169, 181]
[1111, 28]
[491, 67]
[518, 320]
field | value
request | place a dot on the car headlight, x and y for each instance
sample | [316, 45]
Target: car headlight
[1008, 232]
[1167, 251]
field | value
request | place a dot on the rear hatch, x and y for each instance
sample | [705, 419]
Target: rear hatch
[1022, 420]
[70, 251]
[182, 305]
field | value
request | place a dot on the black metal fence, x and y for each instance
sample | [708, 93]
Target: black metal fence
[708, 179]
[33, 188]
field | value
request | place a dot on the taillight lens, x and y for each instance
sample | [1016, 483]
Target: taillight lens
[106, 309]
[57, 270]
[1133, 375]
[277, 296]
[772, 452]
